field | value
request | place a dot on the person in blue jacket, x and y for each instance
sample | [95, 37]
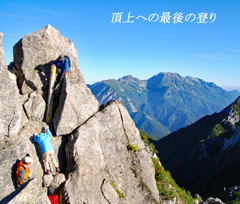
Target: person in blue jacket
[48, 152]
[62, 65]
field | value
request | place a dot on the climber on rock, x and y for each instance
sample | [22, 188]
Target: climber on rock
[23, 170]
[48, 152]
[62, 64]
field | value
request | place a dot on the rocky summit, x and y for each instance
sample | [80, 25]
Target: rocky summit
[101, 155]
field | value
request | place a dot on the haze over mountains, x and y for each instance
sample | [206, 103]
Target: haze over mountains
[165, 102]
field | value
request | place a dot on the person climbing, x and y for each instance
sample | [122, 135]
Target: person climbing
[53, 198]
[62, 64]
[47, 149]
[23, 170]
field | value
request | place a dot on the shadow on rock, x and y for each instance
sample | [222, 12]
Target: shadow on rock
[61, 155]
[13, 174]
[14, 193]
[62, 98]
[44, 72]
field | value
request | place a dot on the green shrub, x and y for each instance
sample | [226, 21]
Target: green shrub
[113, 184]
[120, 194]
[132, 147]
[153, 148]
[236, 107]
[218, 130]
[145, 137]
[164, 179]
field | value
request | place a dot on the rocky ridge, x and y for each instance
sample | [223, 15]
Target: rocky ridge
[90, 142]
[165, 102]
[203, 157]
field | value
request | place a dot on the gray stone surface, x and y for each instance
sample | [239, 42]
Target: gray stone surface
[47, 180]
[231, 117]
[76, 105]
[17, 149]
[97, 152]
[10, 106]
[109, 193]
[31, 192]
[33, 56]
[35, 107]
[172, 201]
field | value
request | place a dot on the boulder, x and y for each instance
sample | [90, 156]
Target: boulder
[58, 180]
[10, 106]
[31, 192]
[76, 105]
[33, 56]
[97, 151]
[35, 107]
[47, 180]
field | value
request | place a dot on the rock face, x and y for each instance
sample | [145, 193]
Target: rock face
[97, 155]
[17, 149]
[35, 107]
[33, 56]
[31, 192]
[98, 166]
[10, 106]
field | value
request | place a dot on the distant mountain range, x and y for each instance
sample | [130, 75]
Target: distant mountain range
[165, 102]
[204, 157]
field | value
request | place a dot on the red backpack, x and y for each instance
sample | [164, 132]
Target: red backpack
[53, 199]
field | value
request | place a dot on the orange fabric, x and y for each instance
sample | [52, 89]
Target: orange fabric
[22, 166]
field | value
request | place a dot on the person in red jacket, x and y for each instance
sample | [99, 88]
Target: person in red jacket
[52, 198]
[23, 170]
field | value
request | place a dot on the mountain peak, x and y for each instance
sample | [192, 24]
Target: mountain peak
[167, 74]
[129, 78]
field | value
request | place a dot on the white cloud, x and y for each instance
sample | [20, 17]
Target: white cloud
[15, 16]
[233, 50]
[206, 55]
[43, 11]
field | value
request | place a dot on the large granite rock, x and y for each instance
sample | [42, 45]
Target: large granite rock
[33, 56]
[31, 192]
[10, 106]
[58, 180]
[97, 155]
[35, 107]
[76, 105]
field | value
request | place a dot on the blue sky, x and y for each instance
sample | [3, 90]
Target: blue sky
[210, 51]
